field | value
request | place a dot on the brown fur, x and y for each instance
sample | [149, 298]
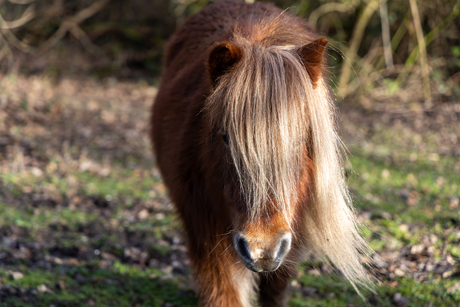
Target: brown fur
[247, 186]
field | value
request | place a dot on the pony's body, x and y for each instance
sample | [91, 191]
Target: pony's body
[244, 137]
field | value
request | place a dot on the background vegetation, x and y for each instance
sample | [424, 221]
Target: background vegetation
[84, 217]
[373, 43]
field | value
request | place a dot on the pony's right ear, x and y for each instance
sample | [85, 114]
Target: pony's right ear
[221, 58]
[312, 56]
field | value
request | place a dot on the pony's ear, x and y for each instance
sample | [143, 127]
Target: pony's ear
[312, 56]
[222, 57]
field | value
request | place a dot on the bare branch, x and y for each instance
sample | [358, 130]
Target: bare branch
[27, 16]
[73, 22]
[12, 39]
[422, 48]
[84, 39]
[52, 11]
[21, 1]
[6, 50]
[386, 39]
[331, 7]
[413, 56]
[357, 36]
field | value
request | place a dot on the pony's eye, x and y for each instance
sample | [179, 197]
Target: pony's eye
[225, 137]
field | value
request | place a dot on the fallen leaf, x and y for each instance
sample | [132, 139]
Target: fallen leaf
[16, 275]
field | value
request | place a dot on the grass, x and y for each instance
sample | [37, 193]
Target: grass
[90, 282]
[91, 286]
[376, 185]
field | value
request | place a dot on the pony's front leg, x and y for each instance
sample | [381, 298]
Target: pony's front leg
[221, 280]
[273, 287]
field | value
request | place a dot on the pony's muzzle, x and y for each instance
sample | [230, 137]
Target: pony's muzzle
[262, 255]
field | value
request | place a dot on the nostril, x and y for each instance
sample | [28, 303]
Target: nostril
[284, 247]
[242, 247]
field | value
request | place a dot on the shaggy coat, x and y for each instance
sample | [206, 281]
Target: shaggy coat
[244, 135]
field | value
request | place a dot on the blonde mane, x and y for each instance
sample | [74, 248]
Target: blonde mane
[268, 106]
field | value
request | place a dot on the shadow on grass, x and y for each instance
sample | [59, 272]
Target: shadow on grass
[85, 286]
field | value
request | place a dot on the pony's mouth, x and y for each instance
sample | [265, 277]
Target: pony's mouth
[263, 265]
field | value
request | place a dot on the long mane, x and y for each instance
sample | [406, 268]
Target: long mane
[268, 106]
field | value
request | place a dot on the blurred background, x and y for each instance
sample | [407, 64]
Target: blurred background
[396, 45]
[84, 217]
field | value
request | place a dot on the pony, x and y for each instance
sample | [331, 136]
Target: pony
[244, 134]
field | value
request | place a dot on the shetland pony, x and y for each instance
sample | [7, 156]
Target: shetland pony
[244, 135]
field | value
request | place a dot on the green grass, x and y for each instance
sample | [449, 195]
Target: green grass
[333, 292]
[133, 285]
[119, 286]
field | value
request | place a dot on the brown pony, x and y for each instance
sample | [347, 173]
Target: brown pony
[244, 135]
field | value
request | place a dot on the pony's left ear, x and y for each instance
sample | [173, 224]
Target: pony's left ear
[221, 58]
[312, 56]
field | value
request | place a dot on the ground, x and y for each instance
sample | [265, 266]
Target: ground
[85, 219]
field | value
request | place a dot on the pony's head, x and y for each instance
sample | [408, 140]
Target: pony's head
[272, 125]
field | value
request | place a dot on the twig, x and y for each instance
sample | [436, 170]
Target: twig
[396, 39]
[386, 34]
[72, 23]
[13, 39]
[5, 51]
[27, 16]
[21, 1]
[413, 56]
[355, 42]
[331, 7]
[374, 51]
[399, 34]
[422, 48]
[342, 49]
[337, 21]
[85, 40]
[373, 77]
[442, 25]
[366, 68]
[51, 11]
[9, 37]
[455, 78]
